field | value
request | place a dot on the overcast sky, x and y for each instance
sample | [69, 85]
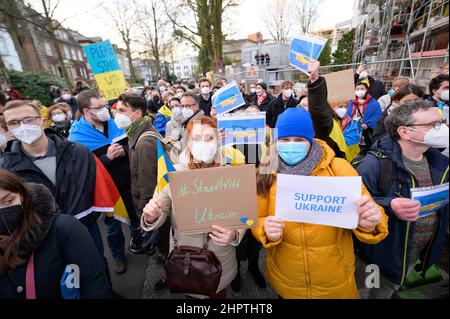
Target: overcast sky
[84, 17]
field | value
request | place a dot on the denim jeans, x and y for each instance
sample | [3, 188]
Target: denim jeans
[115, 238]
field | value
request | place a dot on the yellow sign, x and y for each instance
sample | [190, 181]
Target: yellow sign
[112, 83]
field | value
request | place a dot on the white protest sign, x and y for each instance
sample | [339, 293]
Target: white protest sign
[329, 201]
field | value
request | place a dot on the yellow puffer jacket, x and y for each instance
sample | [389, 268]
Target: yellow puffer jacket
[314, 261]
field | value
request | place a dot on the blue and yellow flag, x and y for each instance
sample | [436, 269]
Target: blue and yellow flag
[164, 167]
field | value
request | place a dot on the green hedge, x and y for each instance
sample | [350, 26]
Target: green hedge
[35, 84]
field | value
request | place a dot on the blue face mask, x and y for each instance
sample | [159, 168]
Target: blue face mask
[391, 92]
[292, 153]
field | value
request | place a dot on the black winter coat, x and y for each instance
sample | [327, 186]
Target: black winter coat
[277, 107]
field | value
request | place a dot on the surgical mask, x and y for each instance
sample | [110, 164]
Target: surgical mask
[252, 90]
[288, 93]
[435, 138]
[205, 90]
[177, 112]
[292, 153]
[122, 121]
[204, 152]
[179, 95]
[187, 113]
[363, 75]
[391, 92]
[102, 115]
[341, 112]
[10, 218]
[27, 133]
[162, 88]
[360, 93]
[58, 118]
[3, 141]
[66, 97]
[444, 96]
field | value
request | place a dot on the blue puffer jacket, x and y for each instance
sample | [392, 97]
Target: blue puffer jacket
[392, 254]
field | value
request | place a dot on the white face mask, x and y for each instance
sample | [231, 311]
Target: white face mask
[3, 141]
[435, 138]
[252, 90]
[360, 93]
[204, 152]
[187, 113]
[162, 88]
[102, 115]
[179, 95]
[66, 97]
[122, 121]
[177, 112]
[288, 93]
[27, 133]
[444, 96]
[205, 90]
[341, 112]
[58, 118]
[363, 75]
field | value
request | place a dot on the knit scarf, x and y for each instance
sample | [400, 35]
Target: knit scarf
[305, 167]
[261, 98]
[135, 125]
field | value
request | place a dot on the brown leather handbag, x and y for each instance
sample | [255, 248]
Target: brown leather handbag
[193, 270]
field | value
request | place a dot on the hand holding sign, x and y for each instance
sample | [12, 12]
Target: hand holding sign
[313, 70]
[369, 214]
[222, 236]
[406, 209]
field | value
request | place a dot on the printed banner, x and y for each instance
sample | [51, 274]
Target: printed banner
[329, 201]
[303, 49]
[243, 129]
[228, 98]
[205, 197]
[431, 198]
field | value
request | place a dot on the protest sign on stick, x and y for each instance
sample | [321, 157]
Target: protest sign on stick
[224, 196]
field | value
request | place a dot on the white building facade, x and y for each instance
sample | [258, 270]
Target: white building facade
[185, 67]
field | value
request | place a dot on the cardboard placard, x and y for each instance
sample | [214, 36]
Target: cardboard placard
[341, 86]
[223, 196]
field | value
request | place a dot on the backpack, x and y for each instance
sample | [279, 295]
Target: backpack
[387, 169]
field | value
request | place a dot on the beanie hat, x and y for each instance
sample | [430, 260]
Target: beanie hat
[263, 85]
[295, 122]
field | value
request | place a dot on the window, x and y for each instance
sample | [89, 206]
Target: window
[66, 52]
[3, 47]
[48, 48]
[80, 54]
[74, 53]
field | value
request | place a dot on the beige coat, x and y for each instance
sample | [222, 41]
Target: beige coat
[226, 255]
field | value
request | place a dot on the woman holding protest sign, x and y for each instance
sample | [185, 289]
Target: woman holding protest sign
[309, 260]
[202, 152]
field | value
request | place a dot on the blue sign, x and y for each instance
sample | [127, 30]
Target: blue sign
[431, 198]
[227, 98]
[101, 57]
[303, 49]
[243, 129]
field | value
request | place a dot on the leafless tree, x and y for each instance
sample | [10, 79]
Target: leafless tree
[277, 18]
[306, 13]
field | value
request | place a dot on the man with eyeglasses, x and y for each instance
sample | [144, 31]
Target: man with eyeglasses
[100, 134]
[416, 129]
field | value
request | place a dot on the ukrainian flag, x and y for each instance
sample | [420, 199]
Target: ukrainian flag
[164, 167]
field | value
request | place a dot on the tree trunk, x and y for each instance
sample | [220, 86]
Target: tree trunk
[130, 61]
[156, 52]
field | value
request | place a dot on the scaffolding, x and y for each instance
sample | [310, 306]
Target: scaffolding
[402, 31]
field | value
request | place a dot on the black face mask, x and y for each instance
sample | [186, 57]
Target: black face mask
[156, 99]
[10, 218]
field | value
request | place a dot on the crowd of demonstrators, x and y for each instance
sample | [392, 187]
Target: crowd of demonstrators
[54, 153]
[415, 130]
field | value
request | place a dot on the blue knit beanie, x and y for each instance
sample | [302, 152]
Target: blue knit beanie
[295, 122]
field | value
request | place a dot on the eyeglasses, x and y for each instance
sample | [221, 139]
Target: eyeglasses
[436, 125]
[188, 105]
[28, 120]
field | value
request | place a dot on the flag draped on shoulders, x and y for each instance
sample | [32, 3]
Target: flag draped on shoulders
[164, 167]
[85, 133]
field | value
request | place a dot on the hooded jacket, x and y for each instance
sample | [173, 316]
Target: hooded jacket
[392, 254]
[60, 240]
[314, 261]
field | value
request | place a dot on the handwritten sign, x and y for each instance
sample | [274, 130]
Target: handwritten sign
[341, 86]
[243, 129]
[106, 68]
[303, 49]
[224, 196]
[431, 198]
[227, 98]
[329, 201]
